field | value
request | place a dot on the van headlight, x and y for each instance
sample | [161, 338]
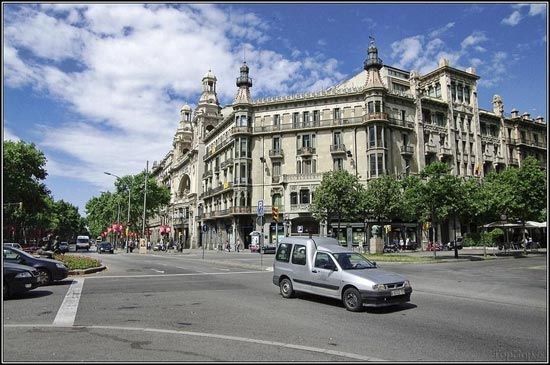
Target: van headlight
[379, 287]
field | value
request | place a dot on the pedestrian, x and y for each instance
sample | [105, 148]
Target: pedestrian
[228, 246]
[238, 245]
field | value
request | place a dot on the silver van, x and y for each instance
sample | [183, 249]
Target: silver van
[319, 265]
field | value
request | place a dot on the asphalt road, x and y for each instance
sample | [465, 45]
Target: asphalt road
[224, 307]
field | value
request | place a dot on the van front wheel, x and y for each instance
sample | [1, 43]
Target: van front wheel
[286, 288]
[352, 300]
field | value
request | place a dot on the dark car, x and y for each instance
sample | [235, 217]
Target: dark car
[269, 248]
[18, 279]
[63, 247]
[49, 270]
[105, 247]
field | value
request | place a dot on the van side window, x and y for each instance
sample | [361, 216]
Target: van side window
[283, 252]
[324, 261]
[299, 255]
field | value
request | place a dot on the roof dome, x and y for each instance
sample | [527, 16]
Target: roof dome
[185, 108]
[209, 75]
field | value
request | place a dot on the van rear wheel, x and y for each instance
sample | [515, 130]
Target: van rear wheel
[352, 300]
[287, 291]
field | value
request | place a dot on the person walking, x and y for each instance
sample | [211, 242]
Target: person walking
[227, 246]
[238, 246]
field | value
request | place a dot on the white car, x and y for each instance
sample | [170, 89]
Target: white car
[13, 244]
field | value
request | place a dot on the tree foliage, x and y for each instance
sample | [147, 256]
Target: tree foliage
[383, 198]
[337, 198]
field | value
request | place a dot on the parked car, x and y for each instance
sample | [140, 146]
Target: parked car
[269, 248]
[18, 279]
[13, 244]
[105, 247]
[63, 247]
[49, 270]
[451, 245]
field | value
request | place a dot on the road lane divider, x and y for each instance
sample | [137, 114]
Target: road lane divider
[67, 312]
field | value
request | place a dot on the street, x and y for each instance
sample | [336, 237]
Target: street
[224, 307]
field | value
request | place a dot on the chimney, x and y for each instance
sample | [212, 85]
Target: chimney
[540, 119]
[515, 113]
[526, 116]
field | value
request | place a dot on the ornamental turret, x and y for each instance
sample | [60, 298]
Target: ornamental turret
[244, 83]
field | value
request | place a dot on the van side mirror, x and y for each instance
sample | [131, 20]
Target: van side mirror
[374, 263]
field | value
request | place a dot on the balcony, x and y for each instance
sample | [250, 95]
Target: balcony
[407, 151]
[487, 157]
[241, 130]
[445, 152]
[207, 174]
[276, 153]
[226, 163]
[378, 116]
[276, 179]
[305, 151]
[337, 149]
[430, 148]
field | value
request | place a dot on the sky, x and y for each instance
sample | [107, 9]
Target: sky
[99, 86]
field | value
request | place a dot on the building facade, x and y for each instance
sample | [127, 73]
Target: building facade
[229, 164]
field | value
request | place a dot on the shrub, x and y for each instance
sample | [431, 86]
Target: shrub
[74, 262]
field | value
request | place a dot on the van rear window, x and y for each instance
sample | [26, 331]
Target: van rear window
[283, 252]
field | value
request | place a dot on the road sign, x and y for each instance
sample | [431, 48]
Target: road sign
[260, 208]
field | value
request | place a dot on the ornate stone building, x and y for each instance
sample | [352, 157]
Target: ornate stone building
[383, 120]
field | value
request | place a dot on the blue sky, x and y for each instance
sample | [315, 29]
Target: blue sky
[98, 87]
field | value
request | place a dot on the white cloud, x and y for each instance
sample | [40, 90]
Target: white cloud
[473, 39]
[513, 19]
[439, 32]
[537, 9]
[132, 67]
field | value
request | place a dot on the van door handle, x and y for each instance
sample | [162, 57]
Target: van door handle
[314, 270]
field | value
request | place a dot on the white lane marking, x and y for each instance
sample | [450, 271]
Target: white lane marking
[187, 274]
[225, 337]
[162, 272]
[67, 312]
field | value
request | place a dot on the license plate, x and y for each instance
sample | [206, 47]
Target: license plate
[398, 292]
[28, 285]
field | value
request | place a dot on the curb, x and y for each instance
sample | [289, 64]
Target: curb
[87, 271]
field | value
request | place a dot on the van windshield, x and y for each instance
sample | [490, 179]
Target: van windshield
[353, 261]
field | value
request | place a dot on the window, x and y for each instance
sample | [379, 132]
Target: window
[316, 116]
[305, 118]
[338, 164]
[438, 90]
[453, 91]
[295, 120]
[283, 252]
[403, 115]
[276, 169]
[307, 167]
[336, 113]
[294, 198]
[467, 94]
[304, 196]
[337, 138]
[276, 120]
[276, 143]
[460, 90]
[299, 255]
[370, 107]
[324, 261]
[372, 137]
[277, 200]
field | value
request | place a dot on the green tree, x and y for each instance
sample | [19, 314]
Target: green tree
[23, 172]
[68, 222]
[384, 198]
[338, 197]
[103, 211]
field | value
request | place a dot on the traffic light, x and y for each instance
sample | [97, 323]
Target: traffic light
[275, 214]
